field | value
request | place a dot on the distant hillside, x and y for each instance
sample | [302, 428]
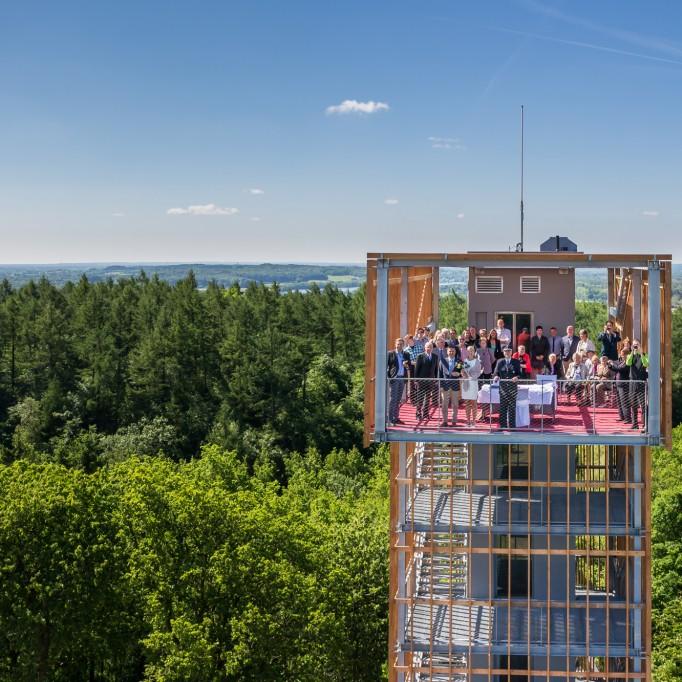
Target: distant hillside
[288, 276]
[590, 284]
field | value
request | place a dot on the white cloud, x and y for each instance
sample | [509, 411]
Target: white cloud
[352, 106]
[255, 219]
[651, 214]
[460, 216]
[255, 191]
[390, 201]
[446, 143]
[203, 209]
[118, 215]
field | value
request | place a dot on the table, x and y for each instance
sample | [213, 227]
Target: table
[528, 394]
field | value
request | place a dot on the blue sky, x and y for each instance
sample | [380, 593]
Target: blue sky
[114, 114]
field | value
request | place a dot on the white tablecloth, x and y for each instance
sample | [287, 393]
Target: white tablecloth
[533, 394]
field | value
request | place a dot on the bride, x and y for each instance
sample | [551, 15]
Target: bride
[470, 373]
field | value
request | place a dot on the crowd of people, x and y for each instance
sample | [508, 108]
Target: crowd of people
[616, 372]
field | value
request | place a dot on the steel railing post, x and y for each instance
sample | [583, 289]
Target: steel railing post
[652, 416]
[380, 379]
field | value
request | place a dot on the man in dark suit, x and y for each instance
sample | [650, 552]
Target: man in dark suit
[397, 369]
[506, 375]
[426, 368]
[610, 339]
[554, 342]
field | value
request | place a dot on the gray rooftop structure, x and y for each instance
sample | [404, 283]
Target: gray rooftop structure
[558, 243]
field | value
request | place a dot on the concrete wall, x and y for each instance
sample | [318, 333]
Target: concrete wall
[553, 306]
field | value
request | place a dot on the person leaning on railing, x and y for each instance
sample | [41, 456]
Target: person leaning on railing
[397, 369]
[622, 373]
[638, 361]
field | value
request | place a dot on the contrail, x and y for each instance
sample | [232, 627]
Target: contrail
[591, 46]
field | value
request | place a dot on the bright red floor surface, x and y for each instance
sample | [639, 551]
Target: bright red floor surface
[569, 418]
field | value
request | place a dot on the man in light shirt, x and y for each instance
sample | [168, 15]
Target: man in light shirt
[504, 336]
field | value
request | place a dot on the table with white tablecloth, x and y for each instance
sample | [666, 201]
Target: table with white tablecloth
[540, 395]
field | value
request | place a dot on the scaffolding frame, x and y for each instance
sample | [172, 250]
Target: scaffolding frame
[602, 524]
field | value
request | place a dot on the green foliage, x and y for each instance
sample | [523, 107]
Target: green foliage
[155, 367]
[590, 315]
[64, 606]
[185, 497]
[666, 547]
[453, 311]
[194, 571]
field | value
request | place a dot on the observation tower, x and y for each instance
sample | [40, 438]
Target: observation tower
[520, 551]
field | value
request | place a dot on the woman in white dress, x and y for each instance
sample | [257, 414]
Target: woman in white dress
[470, 373]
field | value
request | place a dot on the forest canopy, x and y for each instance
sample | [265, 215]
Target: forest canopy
[184, 494]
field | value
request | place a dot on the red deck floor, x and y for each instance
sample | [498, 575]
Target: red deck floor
[569, 418]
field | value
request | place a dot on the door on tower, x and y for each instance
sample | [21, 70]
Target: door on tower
[515, 322]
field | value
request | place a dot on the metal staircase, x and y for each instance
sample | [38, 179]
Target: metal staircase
[439, 574]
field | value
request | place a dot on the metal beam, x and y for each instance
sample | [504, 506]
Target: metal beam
[654, 349]
[511, 263]
[558, 529]
[514, 438]
[522, 648]
[381, 350]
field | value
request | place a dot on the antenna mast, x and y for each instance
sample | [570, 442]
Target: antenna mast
[519, 246]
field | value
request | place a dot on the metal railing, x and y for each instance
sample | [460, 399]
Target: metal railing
[588, 406]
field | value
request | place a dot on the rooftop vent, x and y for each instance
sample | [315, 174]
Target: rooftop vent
[489, 284]
[558, 244]
[530, 284]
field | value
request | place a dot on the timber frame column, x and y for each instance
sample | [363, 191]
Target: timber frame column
[381, 350]
[435, 296]
[654, 351]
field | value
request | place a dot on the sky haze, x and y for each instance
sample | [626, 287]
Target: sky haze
[309, 131]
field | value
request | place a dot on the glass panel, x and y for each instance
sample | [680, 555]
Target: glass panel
[512, 461]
